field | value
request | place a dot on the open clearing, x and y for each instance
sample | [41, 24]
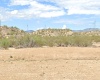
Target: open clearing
[51, 63]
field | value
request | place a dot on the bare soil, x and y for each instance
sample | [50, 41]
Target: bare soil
[51, 63]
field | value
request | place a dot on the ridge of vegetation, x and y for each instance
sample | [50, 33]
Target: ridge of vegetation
[53, 32]
[16, 38]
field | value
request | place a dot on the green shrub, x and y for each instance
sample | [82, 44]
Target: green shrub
[38, 41]
[4, 43]
[80, 41]
[96, 38]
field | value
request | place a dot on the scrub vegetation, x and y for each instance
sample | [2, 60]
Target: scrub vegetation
[21, 39]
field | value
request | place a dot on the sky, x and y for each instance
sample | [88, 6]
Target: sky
[40, 14]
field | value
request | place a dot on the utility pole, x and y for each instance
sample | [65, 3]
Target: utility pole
[94, 24]
[0, 22]
[27, 27]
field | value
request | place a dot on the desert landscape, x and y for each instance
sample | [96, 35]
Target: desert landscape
[50, 63]
[49, 39]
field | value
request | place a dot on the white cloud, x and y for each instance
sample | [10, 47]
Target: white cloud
[79, 6]
[37, 9]
[39, 28]
[64, 27]
[40, 6]
[52, 14]
[20, 2]
[4, 14]
[14, 12]
[34, 9]
[83, 7]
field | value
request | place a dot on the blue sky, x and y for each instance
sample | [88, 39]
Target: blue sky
[39, 14]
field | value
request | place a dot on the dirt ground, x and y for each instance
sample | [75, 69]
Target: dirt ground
[62, 63]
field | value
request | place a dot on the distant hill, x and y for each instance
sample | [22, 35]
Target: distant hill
[53, 32]
[64, 32]
[6, 31]
[87, 30]
[29, 31]
[91, 29]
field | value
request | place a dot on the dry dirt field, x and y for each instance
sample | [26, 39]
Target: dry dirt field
[62, 63]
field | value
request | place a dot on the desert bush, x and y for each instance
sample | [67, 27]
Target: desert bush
[4, 43]
[74, 40]
[38, 41]
[96, 38]
[79, 40]
[24, 41]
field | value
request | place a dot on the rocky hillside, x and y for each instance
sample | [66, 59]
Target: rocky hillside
[6, 31]
[53, 32]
